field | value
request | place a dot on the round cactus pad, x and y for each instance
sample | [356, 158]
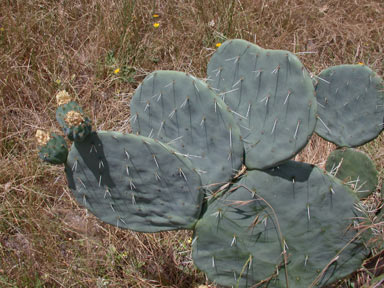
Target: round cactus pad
[179, 109]
[291, 223]
[350, 105]
[354, 168]
[55, 151]
[134, 182]
[272, 97]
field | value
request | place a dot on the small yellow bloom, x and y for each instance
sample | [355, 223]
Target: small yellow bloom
[218, 45]
[1, 29]
[58, 81]
[360, 63]
[156, 25]
[189, 241]
[155, 15]
[116, 71]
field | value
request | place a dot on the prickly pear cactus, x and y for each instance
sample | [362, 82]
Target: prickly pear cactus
[179, 109]
[350, 105]
[134, 182]
[355, 169]
[272, 97]
[290, 224]
[286, 226]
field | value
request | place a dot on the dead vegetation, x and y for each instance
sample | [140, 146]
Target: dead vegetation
[46, 239]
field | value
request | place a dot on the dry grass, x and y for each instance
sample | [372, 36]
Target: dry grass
[46, 240]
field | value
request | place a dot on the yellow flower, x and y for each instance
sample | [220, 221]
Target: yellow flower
[116, 71]
[58, 81]
[360, 63]
[155, 15]
[189, 241]
[156, 25]
[218, 45]
[1, 29]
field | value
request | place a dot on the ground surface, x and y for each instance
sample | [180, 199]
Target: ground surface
[100, 51]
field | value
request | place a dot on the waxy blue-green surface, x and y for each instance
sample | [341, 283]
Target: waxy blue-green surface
[134, 182]
[350, 105]
[181, 110]
[296, 208]
[271, 95]
[55, 151]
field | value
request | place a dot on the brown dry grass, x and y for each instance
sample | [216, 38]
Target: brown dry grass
[46, 240]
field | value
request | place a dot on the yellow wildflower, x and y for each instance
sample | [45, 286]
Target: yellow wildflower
[42, 137]
[360, 63]
[218, 45]
[156, 25]
[116, 71]
[63, 98]
[189, 241]
[58, 81]
[155, 15]
[1, 29]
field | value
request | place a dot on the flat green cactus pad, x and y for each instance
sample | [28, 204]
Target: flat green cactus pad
[350, 105]
[295, 210]
[134, 182]
[55, 151]
[179, 109]
[272, 97]
[354, 168]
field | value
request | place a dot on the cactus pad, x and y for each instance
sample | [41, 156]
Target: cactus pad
[291, 223]
[354, 168]
[134, 182]
[71, 118]
[179, 109]
[350, 105]
[55, 151]
[272, 97]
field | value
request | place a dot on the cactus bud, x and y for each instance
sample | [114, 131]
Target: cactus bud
[74, 118]
[42, 137]
[63, 98]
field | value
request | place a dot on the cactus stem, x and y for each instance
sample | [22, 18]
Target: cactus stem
[274, 126]
[322, 122]
[297, 129]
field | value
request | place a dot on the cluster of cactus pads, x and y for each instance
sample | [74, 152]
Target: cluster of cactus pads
[278, 223]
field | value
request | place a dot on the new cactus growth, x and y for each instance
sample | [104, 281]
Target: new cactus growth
[71, 118]
[53, 148]
[355, 169]
[283, 224]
